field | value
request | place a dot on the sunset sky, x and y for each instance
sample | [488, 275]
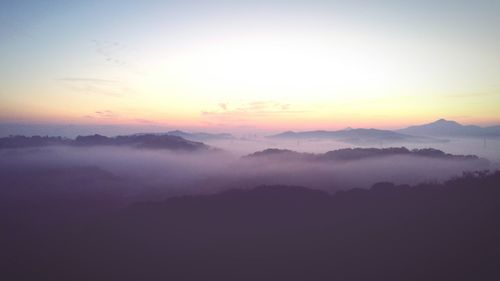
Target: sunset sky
[263, 64]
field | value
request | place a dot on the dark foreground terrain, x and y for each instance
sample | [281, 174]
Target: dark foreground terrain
[440, 232]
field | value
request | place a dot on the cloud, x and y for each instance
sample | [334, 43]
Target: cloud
[110, 51]
[144, 121]
[246, 111]
[96, 86]
[223, 106]
[90, 80]
[106, 114]
[470, 95]
[109, 114]
[102, 114]
[117, 54]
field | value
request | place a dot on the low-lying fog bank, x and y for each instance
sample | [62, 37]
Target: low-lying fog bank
[483, 147]
[137, 174]
[72, 212]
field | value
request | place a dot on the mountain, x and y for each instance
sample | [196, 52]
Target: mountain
[362, 153]
[351, 154]
[199, 136]
[34, 141]
[356, 136]
[149, 141]
[281, 155]
[443, 127]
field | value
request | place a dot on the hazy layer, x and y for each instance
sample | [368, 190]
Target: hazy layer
[151, 173]
[487, 148]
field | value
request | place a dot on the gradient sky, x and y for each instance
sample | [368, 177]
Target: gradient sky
[264, 64]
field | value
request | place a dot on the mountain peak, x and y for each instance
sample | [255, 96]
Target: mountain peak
[443, 127]
[176, 132]
[444, 121]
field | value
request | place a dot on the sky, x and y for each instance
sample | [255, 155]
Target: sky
[249, 64]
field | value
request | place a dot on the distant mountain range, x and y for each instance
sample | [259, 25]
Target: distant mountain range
[149, 141]
[427, 133]
[350, 154]
[358, 136]
[450, 128]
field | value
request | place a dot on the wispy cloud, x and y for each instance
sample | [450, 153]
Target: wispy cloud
[250, 110]
[109, 115]
[116, 54]
[223, 106]
[146, 121]
[90, 80]
[97, 86]
[471, 95]
[110, 51]
[102, 114]
[106, 114]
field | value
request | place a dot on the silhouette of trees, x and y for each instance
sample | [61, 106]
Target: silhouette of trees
[150, 141]
[429, 231]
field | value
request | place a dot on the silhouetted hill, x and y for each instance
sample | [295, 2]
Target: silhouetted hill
[425, 232]
[361, 153]
[356, 136]
[281, 154]
[444, 127]
[34, 141]
[149, 141]
[349, 154]
[200, 136]
[197, 136]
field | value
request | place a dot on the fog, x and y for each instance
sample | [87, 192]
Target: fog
[488, 148]
[143, 174]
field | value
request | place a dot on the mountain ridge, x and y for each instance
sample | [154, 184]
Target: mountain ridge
[425, 133]
[356, 136]
[443, 127]
[352, 154]
[148, 141]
